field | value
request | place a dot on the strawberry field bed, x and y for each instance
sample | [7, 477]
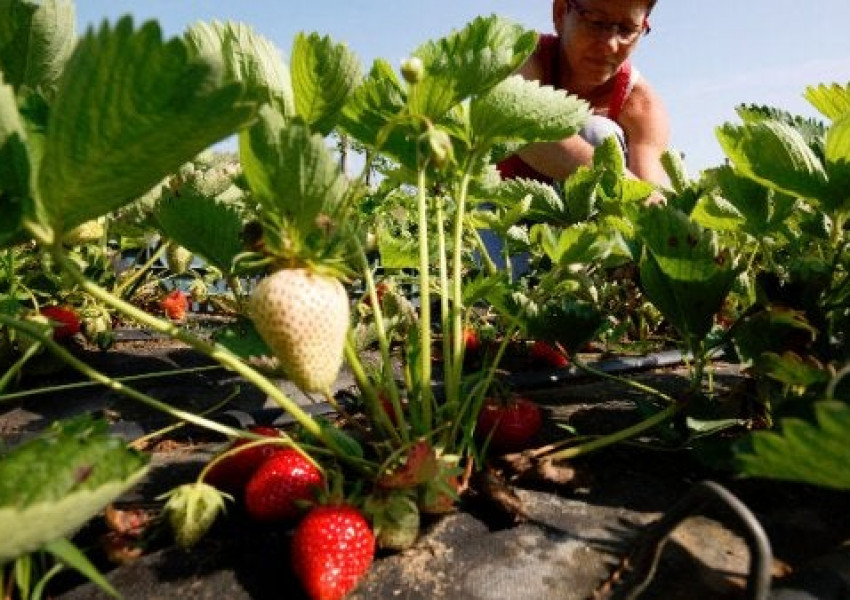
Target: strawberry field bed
[533, 535]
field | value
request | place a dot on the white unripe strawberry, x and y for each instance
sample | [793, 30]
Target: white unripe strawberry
[303, 317]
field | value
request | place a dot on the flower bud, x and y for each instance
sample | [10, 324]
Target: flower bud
[412, 69]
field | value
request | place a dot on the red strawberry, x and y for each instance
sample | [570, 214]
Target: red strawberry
[175, 305]
[276, 488]
[332, 548]
[232, 473]
[513, 423]
[471, 341]
[65, 321]
[551, 355]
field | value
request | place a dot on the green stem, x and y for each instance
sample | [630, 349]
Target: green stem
[457, 282]
[31, 351]
[619, 436]
[424, 303]
[141, 442]
[95, 375]
[215, 351]
[452, 392]
[138, 273]
[629, 382]
[84, 384]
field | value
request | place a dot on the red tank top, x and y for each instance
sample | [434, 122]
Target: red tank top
[548, 49]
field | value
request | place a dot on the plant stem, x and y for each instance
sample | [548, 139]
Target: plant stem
[92, 373]
[445, 316]
[457, 282]
[629, 382]
[215, 351]
[84, 384]
[16, 368]
[424, 303]
[619, 436]
[134, 278]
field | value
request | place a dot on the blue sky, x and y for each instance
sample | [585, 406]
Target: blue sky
[703, 57]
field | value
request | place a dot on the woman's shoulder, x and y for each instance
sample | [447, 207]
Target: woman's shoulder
[538, 66]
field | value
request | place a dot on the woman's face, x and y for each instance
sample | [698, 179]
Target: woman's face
[597, 36]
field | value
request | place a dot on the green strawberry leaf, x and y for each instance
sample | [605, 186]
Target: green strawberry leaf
[68, 554]
[36, 38]
[130, 108]
[371, 109]
[52, 485]
[323, 76]
[683, 273]
[815, 453]
[570, 323]
[764, 210]
[295, 178]
[520, 110]
[397, 251]
[546, 205]
[717, 213]
[576, 244]
[792, 369]
[770, 330]
[248, 57]
[832, 101]
[468, 62]
[207, 227]
[14, 168]
[776, 155]
[838, 165]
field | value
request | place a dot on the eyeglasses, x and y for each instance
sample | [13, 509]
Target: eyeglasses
[625, 34]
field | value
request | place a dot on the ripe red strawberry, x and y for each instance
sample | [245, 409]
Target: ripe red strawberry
[175, 305]
[281, 482]
[513, 423]
[471, 341]
[550, 355]
[303, 317]
[332, 548]
[231, 474]
[65, 321]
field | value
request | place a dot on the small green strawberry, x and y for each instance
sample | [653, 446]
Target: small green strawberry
[279, 486]
[395, 517]
[178, 258]
[332, 548]
[191, 510]
[89, 232]
[303, 317]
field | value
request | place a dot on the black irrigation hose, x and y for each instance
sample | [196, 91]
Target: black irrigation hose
[644, 561]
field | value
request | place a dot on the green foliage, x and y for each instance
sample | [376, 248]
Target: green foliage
[15, 169]
[777, 156]
[248, 57]
[53, 484]
[815, 453]
[323, 76]
[36, 38]
[468, 62]
[295, 179]
[832, 101]
[103, 152]
[524, 111]
[683, 272]
[206, 226]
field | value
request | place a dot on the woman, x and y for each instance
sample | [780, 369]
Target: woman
[589, 57]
